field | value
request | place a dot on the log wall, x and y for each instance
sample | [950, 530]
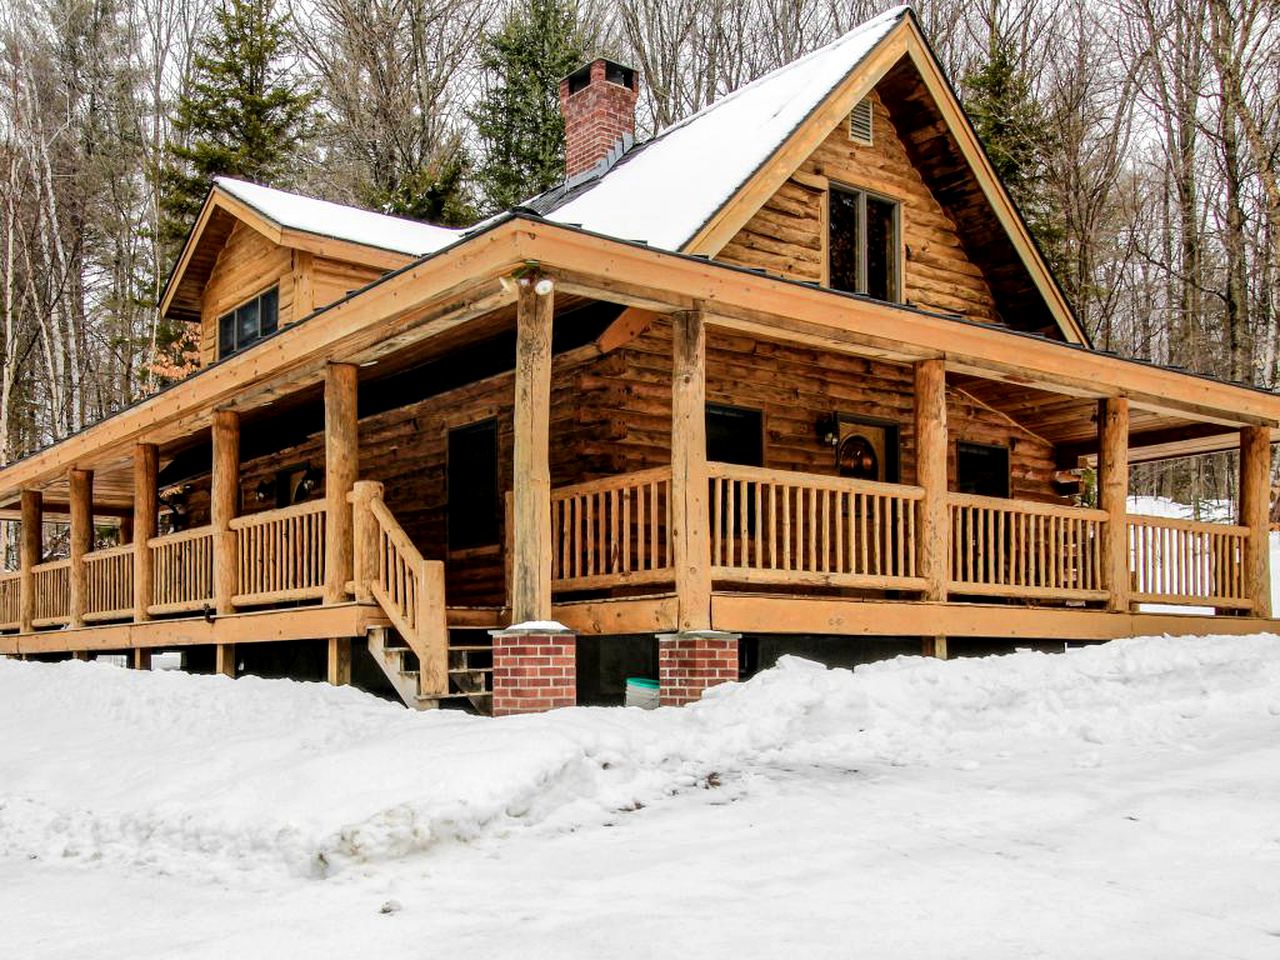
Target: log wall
[786, 237]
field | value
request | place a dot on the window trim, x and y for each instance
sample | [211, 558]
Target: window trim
[223, 314]
[897, 284]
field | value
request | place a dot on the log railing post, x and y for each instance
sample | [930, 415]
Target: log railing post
[341, 466]
[531, 494]
[146, 465]
[365, 558]
[690, 520]
[224, 504]
[934, 529]
[1113, 496]
[80, 485]
[31, 553]
[1255, 510]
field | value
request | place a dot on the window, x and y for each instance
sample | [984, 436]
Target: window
[863, 243]
[248, 322]
[860, 123]
[735, 435]
[472, 479]
[982, 469]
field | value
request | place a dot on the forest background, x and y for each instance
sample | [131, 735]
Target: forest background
[1141, 139]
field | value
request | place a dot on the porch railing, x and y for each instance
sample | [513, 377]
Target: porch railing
[1187, 562]
[53, 593]
[612, 532]
[108, 579]
[280, 554]
[772, 526]
[1015, 548]
[10, 600]
[183, 565]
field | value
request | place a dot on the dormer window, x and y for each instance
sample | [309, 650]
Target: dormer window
[863, 243]
[249, 322]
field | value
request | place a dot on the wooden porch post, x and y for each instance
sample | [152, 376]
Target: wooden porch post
[80, 484]
[1255, 509]
[364, 537]
[690, 519]
[933, 530]
[31, 553]
[341, 466]
[224, 502]
[1113, 495]
[146, 465]
[531, 493]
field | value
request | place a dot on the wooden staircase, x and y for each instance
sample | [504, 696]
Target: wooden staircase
[415, 652]
[470, 672]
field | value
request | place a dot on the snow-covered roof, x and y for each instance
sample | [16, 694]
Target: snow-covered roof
[663, 192]
[353, 224]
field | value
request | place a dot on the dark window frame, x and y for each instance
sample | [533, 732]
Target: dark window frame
[894, 249]
[732, 410]
[230, 321]
[986, 449]
[482, 535]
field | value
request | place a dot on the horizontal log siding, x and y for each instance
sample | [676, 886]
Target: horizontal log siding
[623, 408]
[248, 264]
[785, 236]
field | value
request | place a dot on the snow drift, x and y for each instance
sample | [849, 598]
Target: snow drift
[208, 776]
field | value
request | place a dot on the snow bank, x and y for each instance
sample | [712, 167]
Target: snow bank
[208, 776]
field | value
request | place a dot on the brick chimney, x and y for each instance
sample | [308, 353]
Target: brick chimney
[599, 106]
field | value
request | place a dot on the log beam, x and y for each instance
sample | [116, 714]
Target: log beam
[225, 659]
[80, 484]
[934, 528]
[531, 494]
[1255, 508]
[690, 519]
[223, 506]
[1113, 496]
[31, 552]
[341, 467]
[146, 503]
[340, 661]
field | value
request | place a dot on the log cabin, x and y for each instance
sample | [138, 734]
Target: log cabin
[790, 375]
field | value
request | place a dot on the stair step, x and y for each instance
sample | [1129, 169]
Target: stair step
[457, 696]
[454, 670]
[480, 648]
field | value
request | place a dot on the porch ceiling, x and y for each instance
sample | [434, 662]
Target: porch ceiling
[1071, 423]
[411, 313]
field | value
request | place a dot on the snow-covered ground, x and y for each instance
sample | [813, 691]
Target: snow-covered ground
[1115, 801]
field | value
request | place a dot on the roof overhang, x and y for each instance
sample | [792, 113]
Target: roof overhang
[473, 277]
[221, 210]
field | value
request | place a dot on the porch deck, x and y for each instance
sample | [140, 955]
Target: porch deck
[788, 552]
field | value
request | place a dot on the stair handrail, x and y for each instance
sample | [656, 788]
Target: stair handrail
[389, 570]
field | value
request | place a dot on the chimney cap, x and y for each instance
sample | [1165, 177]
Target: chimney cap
[614, 72]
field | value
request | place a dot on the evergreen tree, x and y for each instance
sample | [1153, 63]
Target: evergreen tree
[518, 118]
[1016, 134]
[242, 115]
[438, 193]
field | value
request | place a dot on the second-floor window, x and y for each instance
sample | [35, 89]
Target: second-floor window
[248, 322]
[863, 243]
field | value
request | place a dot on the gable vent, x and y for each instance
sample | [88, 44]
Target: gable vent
[860, 122]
